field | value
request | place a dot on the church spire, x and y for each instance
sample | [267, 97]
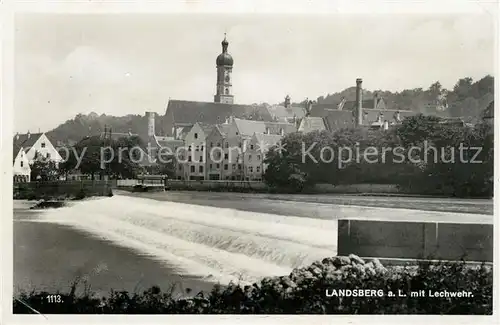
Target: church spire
[225, 44]
[224, 69]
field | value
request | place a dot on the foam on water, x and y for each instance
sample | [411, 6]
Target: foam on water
[217, 244]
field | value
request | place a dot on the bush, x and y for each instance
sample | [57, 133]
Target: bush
[303, 291]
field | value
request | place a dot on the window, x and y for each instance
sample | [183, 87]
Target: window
[197, 148]
[237, 133]
[239, 166]
[249, 157]
[258, 169]
[201, 169]
[211, 144]
[192, 169]
[22, 163]
[218, 144]
[234, 167]
[227, 144]
[201, 148]
[250, 169]
[196, 135]
[189, 148]
[201, 158]
[189, 158]
[48, 155]
[258, 157]
[240, 145]
[217, 166]
[43, 144]
[251, 147]
[180, 167]
[225, 166]
[227, 91]
[225, 156]
[210, 166]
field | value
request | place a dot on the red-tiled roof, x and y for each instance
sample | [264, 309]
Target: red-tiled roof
[190, 112]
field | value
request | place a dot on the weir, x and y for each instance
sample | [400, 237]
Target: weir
[220, 245]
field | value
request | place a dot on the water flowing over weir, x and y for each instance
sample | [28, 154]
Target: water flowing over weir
[214, 243]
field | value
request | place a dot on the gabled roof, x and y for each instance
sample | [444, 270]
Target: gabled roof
[26, 140]
[309, 124]
[207, 128]
[184, 131]
[371, 115]
[248, 127]
[190, 112]
[322, 110]
[282, 112]
[336, 119]
[267, 139]
[16, 153]
[367, 103]
[223, 128]
[489, 112]
[117, 135]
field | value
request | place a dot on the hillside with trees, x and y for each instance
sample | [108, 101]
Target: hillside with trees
[467, 99]
[83, 125]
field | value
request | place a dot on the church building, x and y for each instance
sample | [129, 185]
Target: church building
[182, 114]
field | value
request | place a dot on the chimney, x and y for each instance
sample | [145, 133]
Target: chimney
[308, 107]
[17, 136]
[359, 102]
[375, 99]
[29, 134]
[268, 131]
[386, 125]
[151, 124]
[397, 117]
[287, 101]
[231, 119]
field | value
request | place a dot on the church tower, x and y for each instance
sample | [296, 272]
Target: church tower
[224, 92]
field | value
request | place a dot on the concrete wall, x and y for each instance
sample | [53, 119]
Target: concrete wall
[416, 240]
[215, 185]
[61, 189]
[357, 188]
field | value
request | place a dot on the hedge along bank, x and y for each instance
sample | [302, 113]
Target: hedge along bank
[304, 291]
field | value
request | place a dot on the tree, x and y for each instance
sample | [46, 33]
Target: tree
[44, 170]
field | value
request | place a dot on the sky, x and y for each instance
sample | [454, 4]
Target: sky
[120, 64]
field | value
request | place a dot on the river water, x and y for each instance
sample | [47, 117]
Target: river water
[192, 240]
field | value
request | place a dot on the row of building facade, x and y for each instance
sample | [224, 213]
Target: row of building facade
[221, 140]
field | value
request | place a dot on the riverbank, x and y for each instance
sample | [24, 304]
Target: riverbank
[337, 285]
[50, 257]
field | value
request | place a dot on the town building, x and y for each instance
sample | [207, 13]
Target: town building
[255, 154]
[28, 148]
[371, 113]
[191, 162]
[489, 113]
[22, 169]
[287, 112]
